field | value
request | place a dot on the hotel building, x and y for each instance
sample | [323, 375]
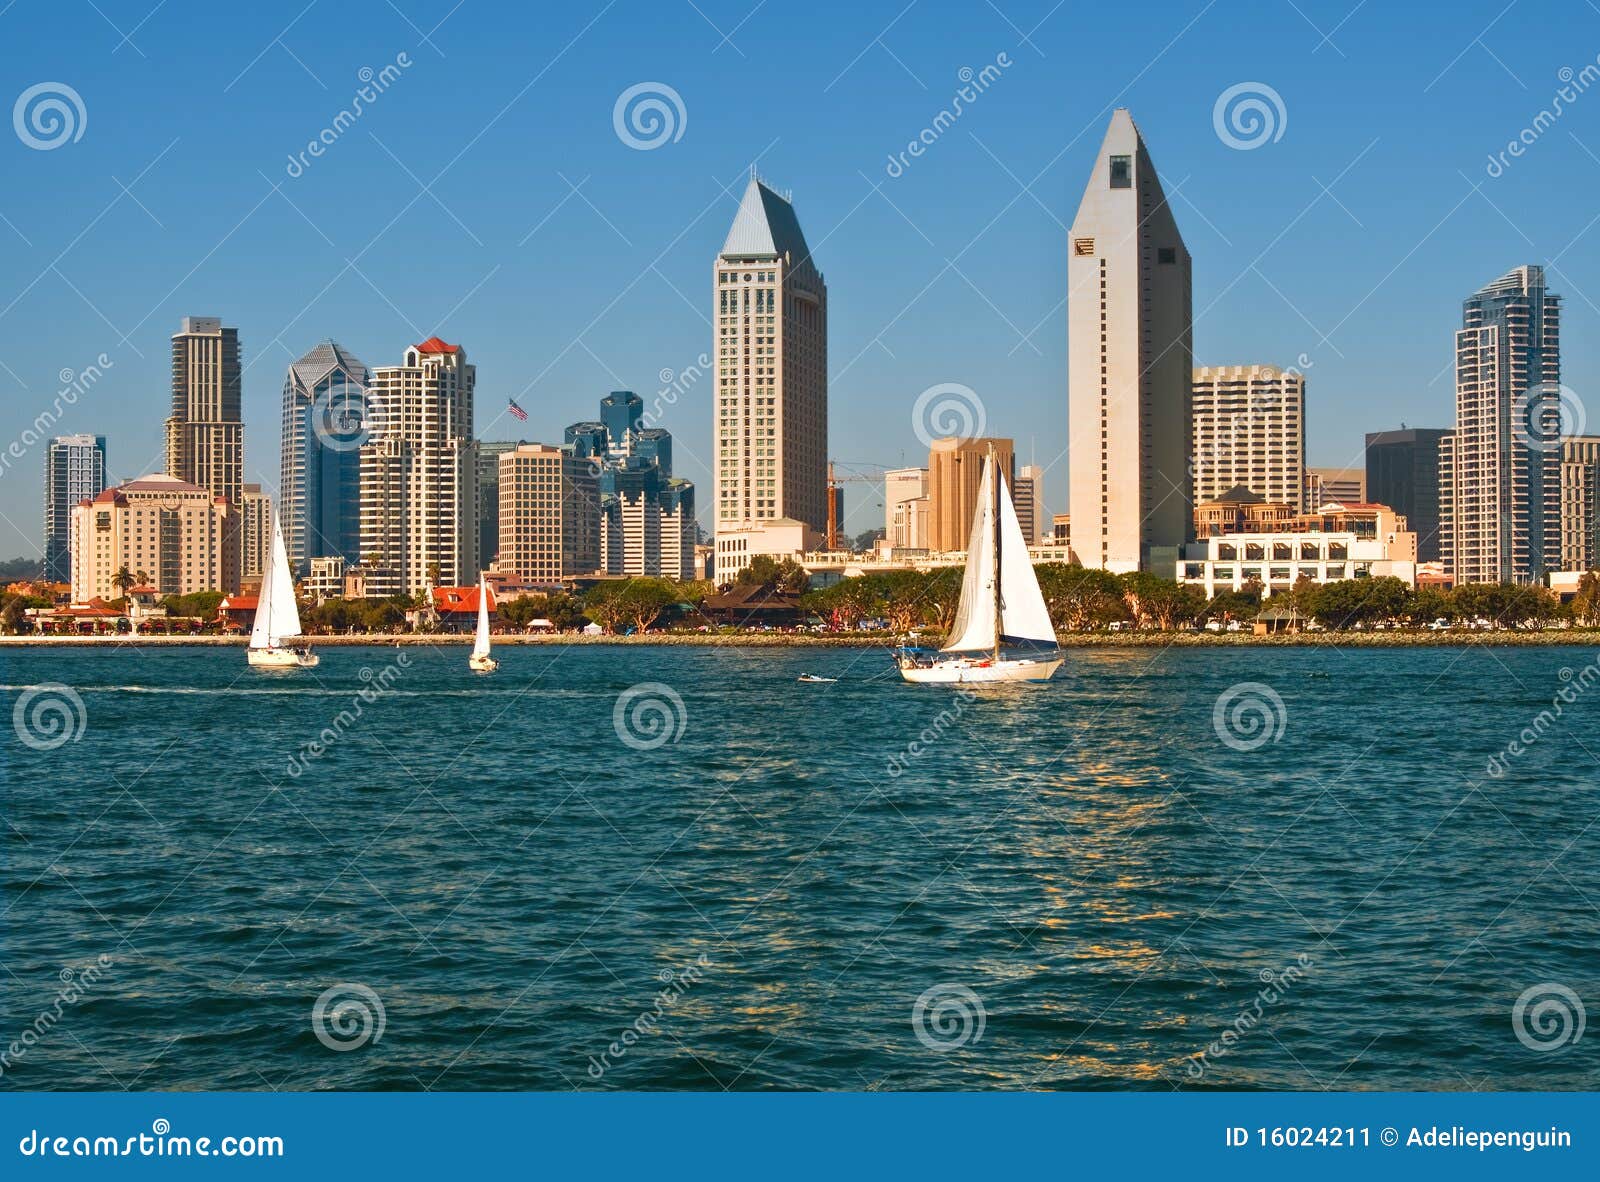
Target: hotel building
[1403, 473]
[548, 515]
[771, 309]
[1500, 469]
[1250, 431]
[74, 470]
[955, 469]
[1351, 542]
[205, 432]
[181, 535]
[1580, 503]
[419, 521]
[1130, 364]
[326, 419]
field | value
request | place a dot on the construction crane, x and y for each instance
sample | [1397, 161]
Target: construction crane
[853, 473]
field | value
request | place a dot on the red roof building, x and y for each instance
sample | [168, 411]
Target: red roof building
[435, 345]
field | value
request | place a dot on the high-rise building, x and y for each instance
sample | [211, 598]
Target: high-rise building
[1502, 500]
[1130, 363]
[1403, 473]
[955, 469]
[419, 520]
[255, 531]
[74, 470]
[1249, 431]
[647, 524]
[1580, 502]
[326, 419]
[771, 306]
[901, 484]
[1028, 496]
[184, 537]
[908, 529]
[205, 433]
[489, 497]
[1334, 484]
[549, 514]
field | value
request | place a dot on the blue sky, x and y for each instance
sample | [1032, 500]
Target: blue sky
[570, 264]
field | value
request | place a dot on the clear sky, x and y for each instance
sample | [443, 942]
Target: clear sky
[487, 196]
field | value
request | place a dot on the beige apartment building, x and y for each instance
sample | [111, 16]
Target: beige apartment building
[419, 505]
[1249, 431]
[549, 509]
[771, 308]
[205, 432]
[179, 534]
[955, 469]
[1130, 364]
[1580, 503]
[255, 531]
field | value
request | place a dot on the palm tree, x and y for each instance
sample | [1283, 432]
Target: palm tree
[123, 579]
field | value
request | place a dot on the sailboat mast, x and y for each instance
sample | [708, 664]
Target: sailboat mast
[999, 598]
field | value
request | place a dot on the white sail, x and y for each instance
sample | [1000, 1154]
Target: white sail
[480, 643]
[1023, 614]
[974, 628]
[277, 614]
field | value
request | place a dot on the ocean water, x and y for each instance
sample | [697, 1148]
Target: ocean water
[678, 868]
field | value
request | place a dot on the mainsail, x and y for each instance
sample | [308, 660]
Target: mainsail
[277, 614]
[1018, 615]
[480, 643]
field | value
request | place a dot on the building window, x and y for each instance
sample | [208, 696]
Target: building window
[1122, 172]
[1166, 254]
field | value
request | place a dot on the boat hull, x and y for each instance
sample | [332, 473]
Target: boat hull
[963, 671]
[483, 664]
[282, 658]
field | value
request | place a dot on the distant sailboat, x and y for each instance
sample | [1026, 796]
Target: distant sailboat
[1002, 630]
[277, 615]
[480, 660]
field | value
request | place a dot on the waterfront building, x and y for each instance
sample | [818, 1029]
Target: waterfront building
[1353, 541]
[419, 524]
[326, 580]
[548, 515]
[1249, 431]
[488, 485]
[1334, 484]
[255, 531]
[1580, 503]
[1028, 496]
[955, 469]
[771, 309]
[1403, 472]
[900, 484]
[646, 515]
[326, 418]
[1241, 511]
[1130, 364]
[909, 528]
[183, 536]
[74, 470]
[779, 539]
[205, 432]
[1503, 496]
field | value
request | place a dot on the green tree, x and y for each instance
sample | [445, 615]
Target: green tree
[1165, 603]
[644, 599]
[1080, 598]
[1586, 603]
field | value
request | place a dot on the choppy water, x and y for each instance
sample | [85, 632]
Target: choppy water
[1092, 882]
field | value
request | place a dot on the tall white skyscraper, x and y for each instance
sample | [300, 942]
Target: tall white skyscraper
[771, 306]
[1130, 362]
[419, 504]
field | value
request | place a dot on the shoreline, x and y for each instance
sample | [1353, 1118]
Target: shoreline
[1571, 638]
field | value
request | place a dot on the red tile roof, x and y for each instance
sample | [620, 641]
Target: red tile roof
[239, 603]
[435, 345]
[458, 599]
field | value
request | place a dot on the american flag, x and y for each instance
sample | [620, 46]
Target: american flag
[522, 415]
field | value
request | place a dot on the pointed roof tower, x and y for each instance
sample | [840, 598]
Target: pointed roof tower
[765, 226]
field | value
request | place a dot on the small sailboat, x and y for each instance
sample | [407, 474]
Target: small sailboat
[277, 615]
[1002, 629]
[480, 660]
[814, 679]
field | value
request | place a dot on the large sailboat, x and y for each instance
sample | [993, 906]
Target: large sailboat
[277, 615]
[1002, 630]
[480, 661]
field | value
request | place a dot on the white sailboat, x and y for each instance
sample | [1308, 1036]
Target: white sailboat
[277, 615]
[1002, 630]
[480, 660]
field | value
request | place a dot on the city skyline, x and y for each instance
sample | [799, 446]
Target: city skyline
[1243, 316]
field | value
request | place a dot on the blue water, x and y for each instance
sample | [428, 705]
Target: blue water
[1085, 885]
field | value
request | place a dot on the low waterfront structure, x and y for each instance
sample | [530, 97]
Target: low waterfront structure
[1339, 541]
